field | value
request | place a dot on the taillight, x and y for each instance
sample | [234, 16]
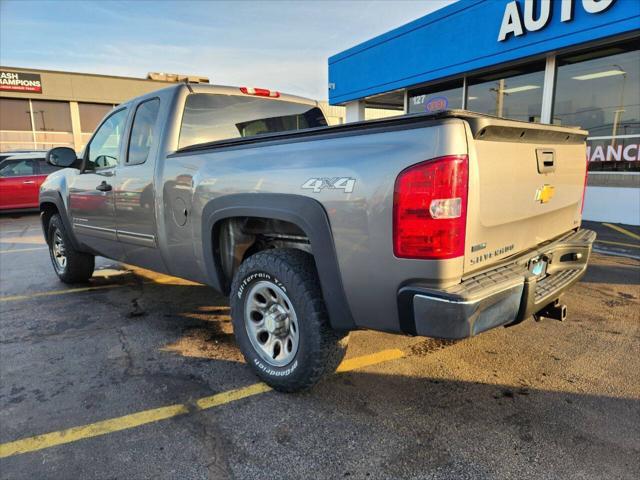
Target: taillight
[584, 189]
[259, 92]
[430, 209]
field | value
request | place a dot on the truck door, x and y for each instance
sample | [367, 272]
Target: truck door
[134, 189]
[91, 192]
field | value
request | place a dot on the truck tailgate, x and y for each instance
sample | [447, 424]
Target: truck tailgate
[525, 188]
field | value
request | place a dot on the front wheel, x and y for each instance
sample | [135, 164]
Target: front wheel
[280, 320]
[70, 265]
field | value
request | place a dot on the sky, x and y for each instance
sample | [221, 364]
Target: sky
[282, 45]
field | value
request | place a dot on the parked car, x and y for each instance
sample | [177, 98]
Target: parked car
[442, 225]
[20, 178]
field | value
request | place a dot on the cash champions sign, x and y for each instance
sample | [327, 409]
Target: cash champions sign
[20, 82]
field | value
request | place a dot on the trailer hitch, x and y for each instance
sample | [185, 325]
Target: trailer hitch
[555, 311]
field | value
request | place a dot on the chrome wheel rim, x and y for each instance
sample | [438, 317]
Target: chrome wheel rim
[271, 323]
[58, 251]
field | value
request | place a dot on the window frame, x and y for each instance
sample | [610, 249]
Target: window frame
[435, 90]
[517, 70]
[126, 162]
[87, 148]
[29, 111]
[65, 104]
[596, 138]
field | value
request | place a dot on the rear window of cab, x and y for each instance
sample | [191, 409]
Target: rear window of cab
[210, 117]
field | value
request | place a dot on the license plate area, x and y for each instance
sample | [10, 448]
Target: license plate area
[538, 266]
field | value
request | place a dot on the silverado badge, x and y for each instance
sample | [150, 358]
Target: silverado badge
[545, 193]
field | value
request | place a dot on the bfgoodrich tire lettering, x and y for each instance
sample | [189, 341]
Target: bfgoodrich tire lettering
[292, 311]
[70, 265]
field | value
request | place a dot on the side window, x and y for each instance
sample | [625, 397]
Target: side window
[45, 169]
[17, 168]
[142, 138]
[104, 149]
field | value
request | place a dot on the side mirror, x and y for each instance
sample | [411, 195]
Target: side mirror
[63, 157]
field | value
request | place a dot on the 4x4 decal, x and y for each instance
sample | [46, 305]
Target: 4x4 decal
[317, 184]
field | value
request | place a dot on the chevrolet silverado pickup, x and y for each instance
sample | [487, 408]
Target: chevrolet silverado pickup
[442, 225]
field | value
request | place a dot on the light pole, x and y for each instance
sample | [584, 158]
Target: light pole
[620, 110]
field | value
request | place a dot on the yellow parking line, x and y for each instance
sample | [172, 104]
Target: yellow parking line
[12, 298]
[74, 434]
[631, 245]
[18, 250]
[373, 359]
[622, 230]
[231, 396]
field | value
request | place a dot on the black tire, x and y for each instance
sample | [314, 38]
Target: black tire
[77, 266]
[320, 349]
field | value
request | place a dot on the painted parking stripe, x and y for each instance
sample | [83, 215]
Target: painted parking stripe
[126, 422]
[74, 434]
[13, 298]
[622, 230]
[18, 250]
[11, 232]
[621, 244]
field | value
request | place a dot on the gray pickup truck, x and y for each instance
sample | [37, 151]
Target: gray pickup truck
[442, 225]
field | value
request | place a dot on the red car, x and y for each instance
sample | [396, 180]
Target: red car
[20, 178]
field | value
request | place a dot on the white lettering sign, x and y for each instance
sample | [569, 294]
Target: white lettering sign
[531, 24]
[20, 82]
[513, 23]
[614, 153]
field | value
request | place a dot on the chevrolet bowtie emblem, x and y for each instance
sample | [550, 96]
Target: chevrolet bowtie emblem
[545, 193]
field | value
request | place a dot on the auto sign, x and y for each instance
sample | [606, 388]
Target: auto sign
[437, 103]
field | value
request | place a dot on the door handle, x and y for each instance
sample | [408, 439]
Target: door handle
[546, 160]
[29, 182]
[104, 187]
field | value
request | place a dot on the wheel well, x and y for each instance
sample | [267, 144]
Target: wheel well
[47, 210]
[237, 238]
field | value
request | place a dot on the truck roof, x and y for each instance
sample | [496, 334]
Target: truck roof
[228, 90]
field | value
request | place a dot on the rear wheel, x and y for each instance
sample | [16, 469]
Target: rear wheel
[70, 265]
[281, 322]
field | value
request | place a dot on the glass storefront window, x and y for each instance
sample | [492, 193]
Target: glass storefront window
[14, 114]
[50, 116]
[91, 114]
[599, 92]
[515, 94]
[436, 97]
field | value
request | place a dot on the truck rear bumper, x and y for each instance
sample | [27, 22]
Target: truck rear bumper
[505, 295]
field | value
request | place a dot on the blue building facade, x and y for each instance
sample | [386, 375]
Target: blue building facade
[464, 37]
[570, 62]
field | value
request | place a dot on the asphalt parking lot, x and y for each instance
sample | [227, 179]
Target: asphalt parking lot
[137, 376]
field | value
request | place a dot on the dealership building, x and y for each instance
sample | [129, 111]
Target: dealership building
[567, 62]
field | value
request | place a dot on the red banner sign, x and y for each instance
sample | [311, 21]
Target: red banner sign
[20, 82]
